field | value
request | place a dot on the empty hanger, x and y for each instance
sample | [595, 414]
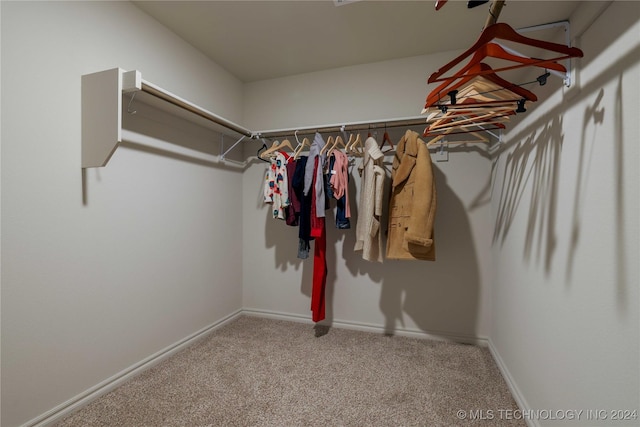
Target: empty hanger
[494, 50]
[442, 91]
[505, 32]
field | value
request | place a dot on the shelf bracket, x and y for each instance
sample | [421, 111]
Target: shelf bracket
[101, 116]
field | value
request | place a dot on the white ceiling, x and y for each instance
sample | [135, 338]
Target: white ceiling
[257, 40]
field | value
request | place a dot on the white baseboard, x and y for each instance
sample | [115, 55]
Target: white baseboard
[367, 327]
[513, 387]
[84, 398]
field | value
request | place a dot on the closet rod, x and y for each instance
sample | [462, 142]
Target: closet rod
[179, 102]
[347, 127]
[494, 12]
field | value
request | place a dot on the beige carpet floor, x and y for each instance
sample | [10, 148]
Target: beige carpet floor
[261, 372]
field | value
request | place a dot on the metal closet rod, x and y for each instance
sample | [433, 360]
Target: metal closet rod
[347, 127]
[151, 89]
[179, 102]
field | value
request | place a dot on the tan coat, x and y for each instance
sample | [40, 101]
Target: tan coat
[412, 207]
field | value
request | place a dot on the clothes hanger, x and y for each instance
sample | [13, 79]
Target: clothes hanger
[505, 32]
[494, 50]
[465, 116]
[475, 100]
[447, 123]
[278, 147]
[269, 150]
[450, 131]
[440, 3]
[264, 147]
[356, 148]
[480, 138]
[436, 95]
[338, 142]
[386, 139]
[327, 145]
[305, 143]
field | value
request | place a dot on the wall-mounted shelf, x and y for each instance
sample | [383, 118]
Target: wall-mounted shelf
[104, 94]
[102, 107]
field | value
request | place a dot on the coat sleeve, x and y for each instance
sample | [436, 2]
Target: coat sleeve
[420, 227]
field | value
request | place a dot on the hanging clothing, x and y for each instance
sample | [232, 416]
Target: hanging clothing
[412, 207]
[304, 220]
[313, 175]
[292, 212]
[368, 239]
[276, 187]
[339, 188]
[318, 231]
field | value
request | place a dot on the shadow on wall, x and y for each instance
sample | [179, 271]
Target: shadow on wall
[441, 296]
[534, 162]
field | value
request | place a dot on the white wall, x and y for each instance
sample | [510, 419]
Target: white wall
[450, 297]
[565, 201]
[102, 272]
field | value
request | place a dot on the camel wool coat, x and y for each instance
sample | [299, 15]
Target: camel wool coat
[412, 207]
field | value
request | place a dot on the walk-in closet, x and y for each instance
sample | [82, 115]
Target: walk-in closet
[336, 213]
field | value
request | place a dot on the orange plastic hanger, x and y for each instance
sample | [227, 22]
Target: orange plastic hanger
[505, 32]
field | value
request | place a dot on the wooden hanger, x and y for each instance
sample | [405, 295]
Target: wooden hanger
[305, 143]
[455, 131]
[269, 150]
[277, 147]
[337, 143]
[439, 118]
[493, 116]
[479, 138]
[440, 3]
[327, 145]
[478, 95]
[387, 140]
[356, 148]
[505, 32]
[494, 50]
[442, 91]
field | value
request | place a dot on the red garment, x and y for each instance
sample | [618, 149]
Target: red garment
[318, 230]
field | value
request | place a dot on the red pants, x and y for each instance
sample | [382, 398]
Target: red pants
[318, 230]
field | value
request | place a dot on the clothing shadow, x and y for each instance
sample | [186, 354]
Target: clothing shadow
[441, 297]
